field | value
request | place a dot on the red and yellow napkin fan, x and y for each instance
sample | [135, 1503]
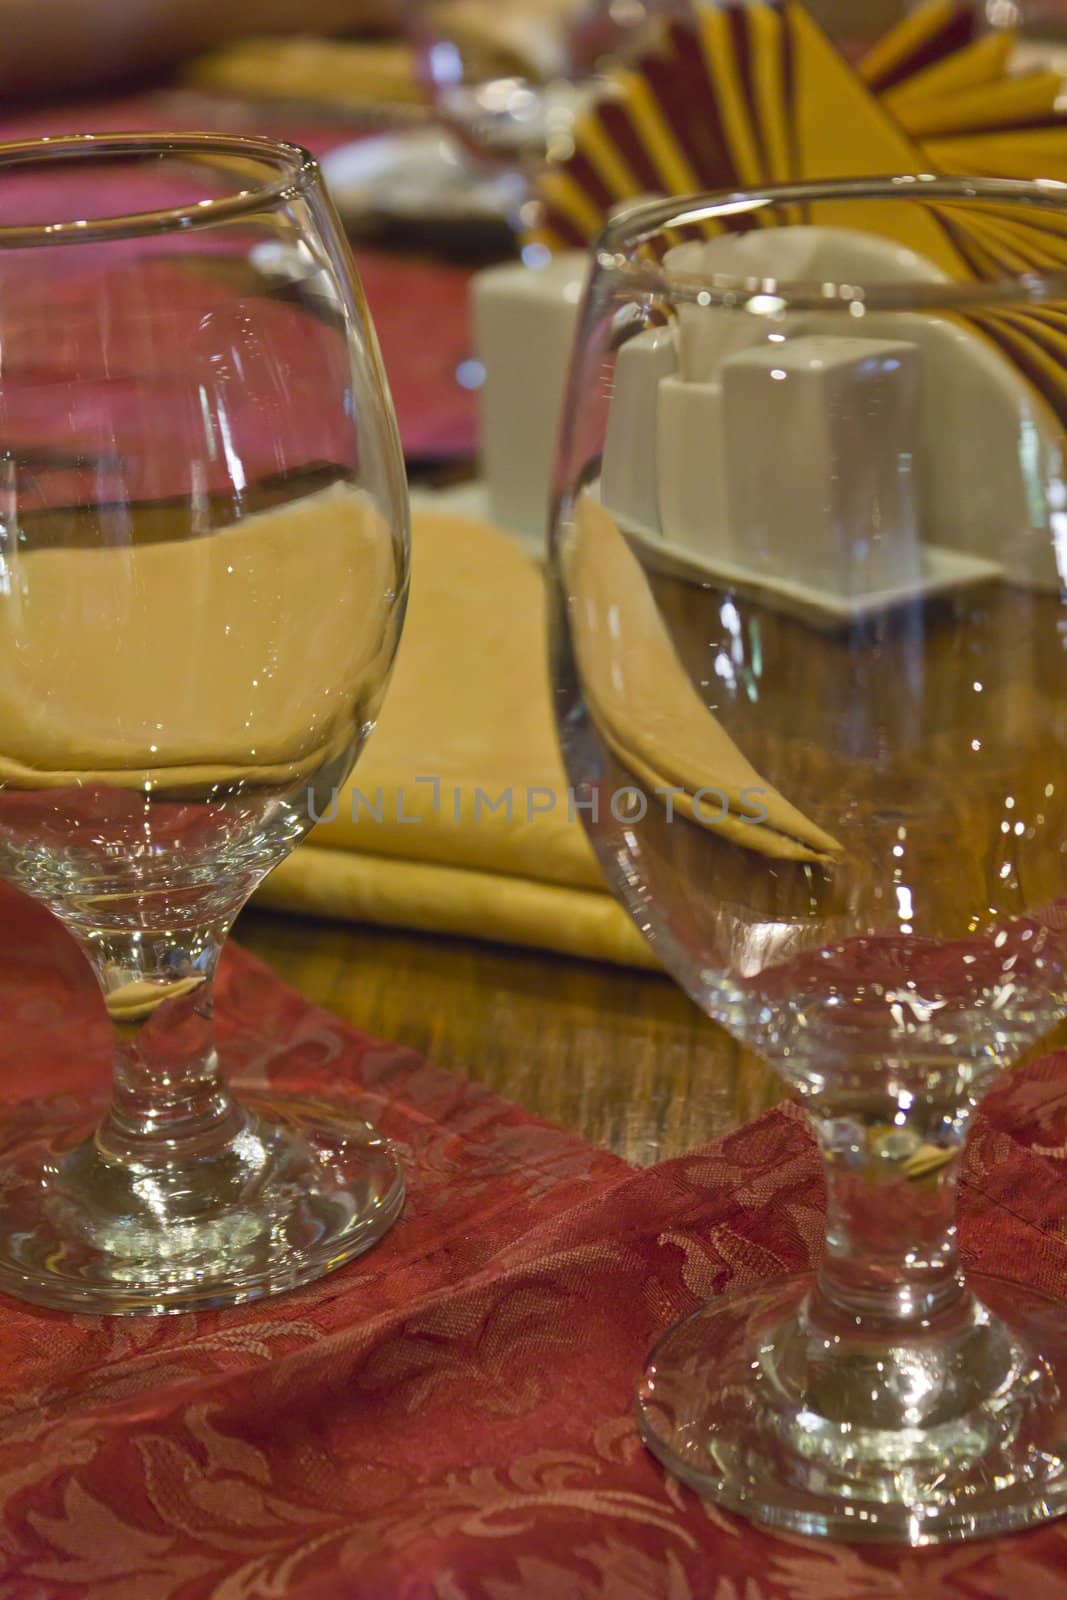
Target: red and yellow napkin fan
[753, 93]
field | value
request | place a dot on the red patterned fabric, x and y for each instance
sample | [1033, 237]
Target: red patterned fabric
[450, 1418]
[420, 306]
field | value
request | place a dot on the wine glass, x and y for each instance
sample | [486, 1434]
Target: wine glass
[509, 76]
[808, 623]
[203, 569]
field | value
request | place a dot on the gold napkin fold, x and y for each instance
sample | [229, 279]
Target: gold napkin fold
[457, 818]
[650, 715]
[348, 74]
[210, 685]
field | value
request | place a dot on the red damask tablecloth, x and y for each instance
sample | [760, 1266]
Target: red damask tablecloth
[450, 1418]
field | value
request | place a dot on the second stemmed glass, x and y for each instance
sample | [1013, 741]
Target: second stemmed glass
[808, 623]
[509, 76]
[203, 571]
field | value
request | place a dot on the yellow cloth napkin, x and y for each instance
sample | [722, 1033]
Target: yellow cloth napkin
[345, 73]
[650, 715]
[468, 710]
[210, 685]
[457, 818]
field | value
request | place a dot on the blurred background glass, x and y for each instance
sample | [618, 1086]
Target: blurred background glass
[509, 76]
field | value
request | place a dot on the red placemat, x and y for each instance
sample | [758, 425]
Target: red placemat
[450, 1418]
[420, 306]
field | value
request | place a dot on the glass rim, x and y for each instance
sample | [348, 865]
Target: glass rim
[642, 221]
[295, 168]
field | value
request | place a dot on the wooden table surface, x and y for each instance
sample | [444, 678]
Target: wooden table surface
[622, 1057]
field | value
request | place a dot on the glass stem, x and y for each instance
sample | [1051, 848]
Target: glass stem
[169, 1102]
[891, 1261]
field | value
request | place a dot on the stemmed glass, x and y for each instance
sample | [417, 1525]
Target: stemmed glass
[808, 625]
[203, 569]
[510, 75]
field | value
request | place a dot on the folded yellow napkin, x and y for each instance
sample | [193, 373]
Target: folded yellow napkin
[650, 715]
[210, 686]
[468, 711]
[457, 818]
[334, 72]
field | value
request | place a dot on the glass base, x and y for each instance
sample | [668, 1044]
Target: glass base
[859, 1437]
[298, 1188]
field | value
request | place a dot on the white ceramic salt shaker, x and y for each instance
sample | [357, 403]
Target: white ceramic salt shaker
[524, 320]
[630, 472]
[691, 472]
[820, 439]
